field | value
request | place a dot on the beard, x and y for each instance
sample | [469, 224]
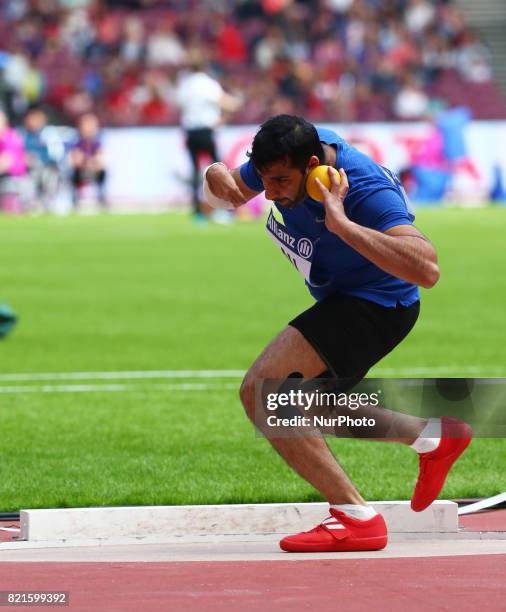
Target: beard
[299, 198]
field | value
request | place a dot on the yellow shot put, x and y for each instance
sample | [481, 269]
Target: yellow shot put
[321, 172]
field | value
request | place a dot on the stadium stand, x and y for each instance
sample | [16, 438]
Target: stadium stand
[488, 17]
[333, 60]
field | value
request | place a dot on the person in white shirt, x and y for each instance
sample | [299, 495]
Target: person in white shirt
[201, 100]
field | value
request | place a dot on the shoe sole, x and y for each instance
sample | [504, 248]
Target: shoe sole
[364, 544]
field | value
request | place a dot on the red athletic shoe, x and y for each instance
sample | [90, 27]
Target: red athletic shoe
[339, 533]
[434, 466]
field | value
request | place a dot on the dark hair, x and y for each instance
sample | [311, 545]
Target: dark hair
[35, 108]
[285, 137]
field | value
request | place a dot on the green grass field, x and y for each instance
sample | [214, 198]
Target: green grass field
[145, 293]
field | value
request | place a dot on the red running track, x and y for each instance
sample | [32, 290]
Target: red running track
[486, 520]
[463, 583]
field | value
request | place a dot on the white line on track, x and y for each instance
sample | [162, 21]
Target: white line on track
[192, 375]
[115, 388]
[234, 374]
[124, 375]
[439, 371]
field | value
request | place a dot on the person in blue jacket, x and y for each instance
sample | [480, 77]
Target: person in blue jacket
[363, 260]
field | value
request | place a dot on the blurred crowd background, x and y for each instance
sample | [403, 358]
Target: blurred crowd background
[70, 67]
[329, 60]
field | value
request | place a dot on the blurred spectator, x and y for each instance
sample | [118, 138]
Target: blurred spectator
[87, 160]
[14, 9]
[22, 83]
[201, 99]
[133, 46]
[273, 7]
[153, 98]
[437, 56]
[473, 60]
[12, 166]
[77, 32]
[439, 156]
[269, 47]
[418, 15]
[411, 102]
[230, 47]
[42, 165]
[340, 6]
[164, 47]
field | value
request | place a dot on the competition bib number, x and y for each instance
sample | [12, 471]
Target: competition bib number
[297, 248]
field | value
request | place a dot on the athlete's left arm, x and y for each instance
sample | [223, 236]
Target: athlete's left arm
[402, 251]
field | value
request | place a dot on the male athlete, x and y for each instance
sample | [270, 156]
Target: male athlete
[363, 261]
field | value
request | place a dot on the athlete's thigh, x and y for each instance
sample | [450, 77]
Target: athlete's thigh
[289, 352]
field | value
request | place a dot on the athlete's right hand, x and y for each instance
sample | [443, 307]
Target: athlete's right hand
[222, 185]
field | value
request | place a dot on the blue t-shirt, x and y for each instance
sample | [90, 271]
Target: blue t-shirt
[36, 145]
[375, 199]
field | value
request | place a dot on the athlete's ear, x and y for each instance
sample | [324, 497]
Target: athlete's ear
[313, 162]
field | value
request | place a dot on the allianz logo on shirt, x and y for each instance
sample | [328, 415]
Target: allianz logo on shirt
[303, 246]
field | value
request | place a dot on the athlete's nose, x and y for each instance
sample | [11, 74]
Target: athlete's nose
[270, 194]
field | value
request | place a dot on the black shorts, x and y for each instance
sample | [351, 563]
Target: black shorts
[201, 141]
[352, 334]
